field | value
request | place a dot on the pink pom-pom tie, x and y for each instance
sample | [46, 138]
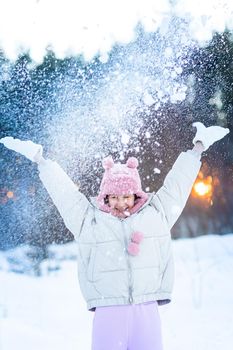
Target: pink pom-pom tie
[133, 248]
[132, 162]
[137, 237]
[108, 163]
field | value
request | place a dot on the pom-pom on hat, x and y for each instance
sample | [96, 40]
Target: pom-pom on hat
[120, 179]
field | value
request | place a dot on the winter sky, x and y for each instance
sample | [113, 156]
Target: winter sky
[90, 27]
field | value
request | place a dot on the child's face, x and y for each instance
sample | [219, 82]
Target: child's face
[121, 203]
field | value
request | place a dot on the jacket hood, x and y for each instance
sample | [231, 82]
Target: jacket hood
[120, 179]
[140, 203]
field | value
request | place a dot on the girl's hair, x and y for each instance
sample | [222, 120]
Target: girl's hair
[106, 200]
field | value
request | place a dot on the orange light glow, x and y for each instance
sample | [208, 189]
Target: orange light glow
[10, 194]
[203, 187]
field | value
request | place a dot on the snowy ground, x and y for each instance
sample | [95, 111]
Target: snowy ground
[48, 312]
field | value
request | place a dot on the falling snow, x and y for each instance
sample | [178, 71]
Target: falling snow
[157, 171]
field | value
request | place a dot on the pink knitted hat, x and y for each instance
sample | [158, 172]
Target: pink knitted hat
[120, 179]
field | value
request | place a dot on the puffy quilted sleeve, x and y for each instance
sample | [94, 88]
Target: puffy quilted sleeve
[173, 195]
[71, 204]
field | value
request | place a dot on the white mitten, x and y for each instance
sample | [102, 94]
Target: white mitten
[28, 149]
[209, 135]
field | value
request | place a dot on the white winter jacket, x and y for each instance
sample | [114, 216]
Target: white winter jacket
[108, 275]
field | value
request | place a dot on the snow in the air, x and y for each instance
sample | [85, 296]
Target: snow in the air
[125, 138]
[157, 171]
[142, 47]
[49, 312]
[90, 27]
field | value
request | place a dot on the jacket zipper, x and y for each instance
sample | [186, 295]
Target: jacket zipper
[129, 272]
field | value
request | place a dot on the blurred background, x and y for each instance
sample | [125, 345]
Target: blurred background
[136, 95]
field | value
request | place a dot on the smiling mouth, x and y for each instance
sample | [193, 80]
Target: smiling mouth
[122, 209]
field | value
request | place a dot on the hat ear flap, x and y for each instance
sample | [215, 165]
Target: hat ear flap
[108, 162]
[132, 162]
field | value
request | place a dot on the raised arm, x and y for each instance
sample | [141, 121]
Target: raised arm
[71, 204]
[173, 195]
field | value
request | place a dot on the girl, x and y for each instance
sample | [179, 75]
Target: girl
[126, 266]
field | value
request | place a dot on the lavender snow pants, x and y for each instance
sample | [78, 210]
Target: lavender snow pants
[127, 327]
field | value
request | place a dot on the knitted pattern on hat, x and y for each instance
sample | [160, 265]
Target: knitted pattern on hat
[121, 179]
